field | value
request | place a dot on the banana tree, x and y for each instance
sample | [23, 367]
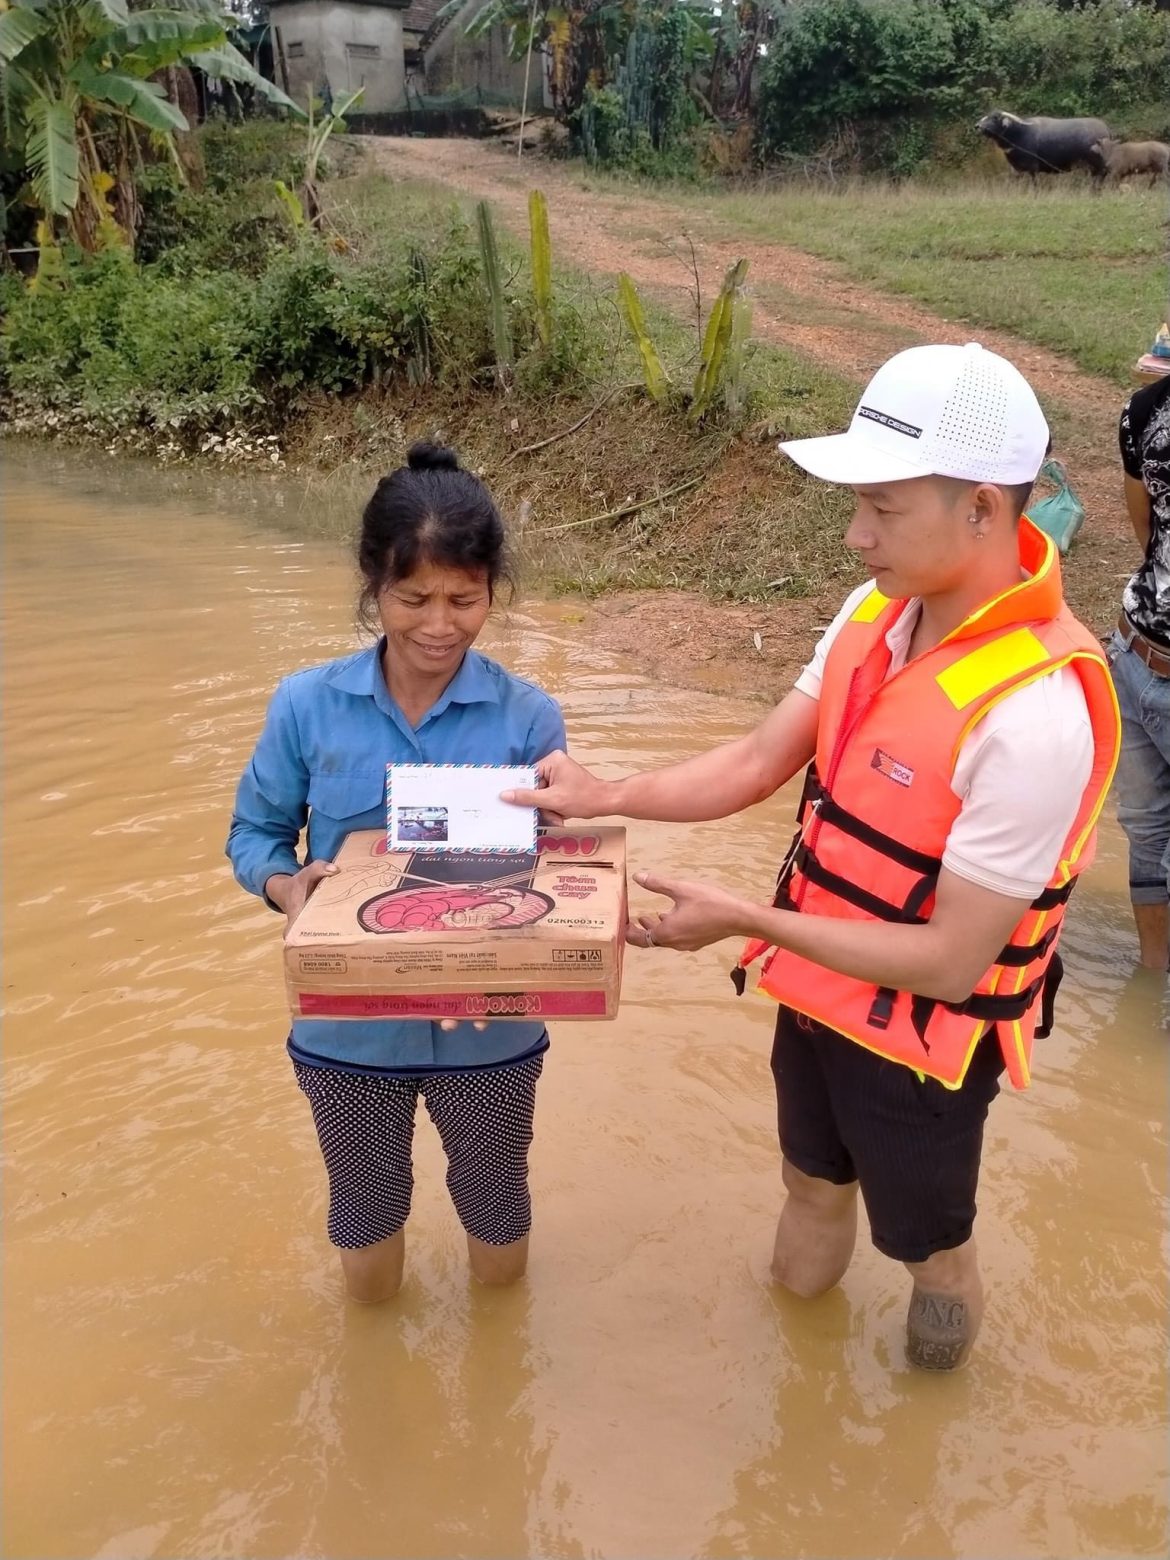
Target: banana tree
[319, 131]
[76, 92]
[548, 24]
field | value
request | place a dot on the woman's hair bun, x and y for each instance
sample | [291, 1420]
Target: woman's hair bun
[432, 457]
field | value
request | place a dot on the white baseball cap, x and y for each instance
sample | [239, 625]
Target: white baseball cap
[935, 411]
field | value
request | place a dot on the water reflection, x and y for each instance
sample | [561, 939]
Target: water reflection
[181, 1378]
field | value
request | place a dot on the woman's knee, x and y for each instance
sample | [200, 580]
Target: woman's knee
[497, 1265]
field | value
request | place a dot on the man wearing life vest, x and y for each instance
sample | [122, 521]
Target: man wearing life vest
[960, 732]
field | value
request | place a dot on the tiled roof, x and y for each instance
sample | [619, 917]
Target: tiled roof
[420, 14]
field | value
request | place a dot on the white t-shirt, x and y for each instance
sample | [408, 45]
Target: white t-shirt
[1020, 773]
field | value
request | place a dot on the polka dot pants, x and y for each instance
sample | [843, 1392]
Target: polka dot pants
[365, 1125]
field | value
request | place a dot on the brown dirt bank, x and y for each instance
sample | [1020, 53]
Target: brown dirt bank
[681, 635]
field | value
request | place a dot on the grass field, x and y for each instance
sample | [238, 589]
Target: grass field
[1080, 273]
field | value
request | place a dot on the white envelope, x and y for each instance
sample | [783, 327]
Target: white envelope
[457, 807]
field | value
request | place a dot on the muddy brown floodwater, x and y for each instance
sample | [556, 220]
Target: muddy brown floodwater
[182, 1377]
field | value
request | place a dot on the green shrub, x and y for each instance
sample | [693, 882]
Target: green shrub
[130, 346]
[188, 351]
[642, 120]
[1109, 58]
[235, 155]
[894, 84]
[50, 332]
[189, 232]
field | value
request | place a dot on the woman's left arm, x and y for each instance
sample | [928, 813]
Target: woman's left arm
[547, 732]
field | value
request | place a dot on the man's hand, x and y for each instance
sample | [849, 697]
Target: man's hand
[291, 890]
[567, 790]
[700, 915]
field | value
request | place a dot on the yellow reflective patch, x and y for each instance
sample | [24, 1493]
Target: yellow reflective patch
[870, 607]
[984, 669]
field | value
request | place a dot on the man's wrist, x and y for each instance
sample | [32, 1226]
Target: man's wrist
[764, 922]
[608, 799]
[624, 798]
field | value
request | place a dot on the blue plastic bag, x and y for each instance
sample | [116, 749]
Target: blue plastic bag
[1061, 514]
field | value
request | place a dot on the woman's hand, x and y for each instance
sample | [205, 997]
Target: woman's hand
[567, 790]
[291, 890]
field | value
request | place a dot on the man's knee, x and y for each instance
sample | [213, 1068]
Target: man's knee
[815, 1194]
[815, 1234]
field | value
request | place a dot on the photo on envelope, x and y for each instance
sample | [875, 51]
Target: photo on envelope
[457, 807]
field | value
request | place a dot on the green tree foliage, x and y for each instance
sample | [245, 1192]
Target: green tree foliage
[77, 93]
[891, 78]
[623, 72]
[642, 116]
[240, 314]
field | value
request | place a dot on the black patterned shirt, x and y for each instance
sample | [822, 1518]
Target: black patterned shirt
[1145, 454]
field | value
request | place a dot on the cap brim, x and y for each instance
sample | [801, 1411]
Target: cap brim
[852, 462]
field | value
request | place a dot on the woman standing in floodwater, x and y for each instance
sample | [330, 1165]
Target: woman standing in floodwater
[431, 554]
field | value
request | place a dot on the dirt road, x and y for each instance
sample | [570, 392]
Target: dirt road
[607, 233]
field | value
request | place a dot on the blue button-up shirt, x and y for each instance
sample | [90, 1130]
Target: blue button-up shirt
[321, 758]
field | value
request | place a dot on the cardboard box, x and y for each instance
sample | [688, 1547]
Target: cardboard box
[1149, 369]
[467, 936]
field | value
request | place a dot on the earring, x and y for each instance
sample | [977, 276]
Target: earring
[974, 520]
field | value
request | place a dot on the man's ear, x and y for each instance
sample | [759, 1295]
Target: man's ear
[991, 504]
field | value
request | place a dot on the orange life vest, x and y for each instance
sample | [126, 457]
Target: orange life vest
[878, 808]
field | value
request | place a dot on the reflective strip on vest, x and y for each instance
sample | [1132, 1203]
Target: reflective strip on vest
[1000, 661]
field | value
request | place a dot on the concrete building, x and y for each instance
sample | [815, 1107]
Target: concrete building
[442, 61]
[344, 44]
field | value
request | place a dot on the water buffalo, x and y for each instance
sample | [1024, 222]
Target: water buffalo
[1035, 146]
[1124, 159]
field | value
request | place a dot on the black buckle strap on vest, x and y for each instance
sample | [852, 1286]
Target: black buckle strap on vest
[882, 1008]
[810, 791]
[880, 909]
[1019, 956]
[917, 897]
[1053, 976]
[921, 1012]
[782, 899]
[1051, 897]
[995, 1007]
[999, 1006]
[885, 844]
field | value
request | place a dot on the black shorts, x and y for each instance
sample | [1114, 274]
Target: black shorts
[914, 1146]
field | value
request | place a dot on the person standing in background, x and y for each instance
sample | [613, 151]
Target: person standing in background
[1140, 658]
